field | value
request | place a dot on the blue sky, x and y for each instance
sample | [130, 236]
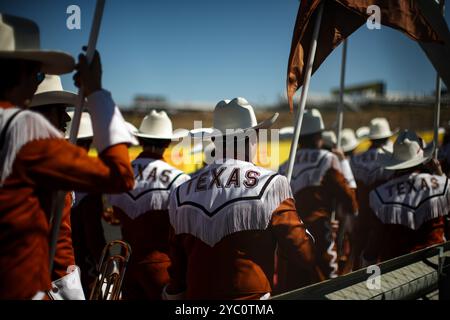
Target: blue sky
[207, 50]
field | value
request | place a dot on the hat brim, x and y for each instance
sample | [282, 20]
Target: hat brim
[176, 135]
[389, 163]
[267, 123]
[53, 62]
[54, 97]
[350, 147]
[382, 136]
[307, 133]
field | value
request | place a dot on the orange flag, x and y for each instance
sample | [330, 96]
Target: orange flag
[340, 19]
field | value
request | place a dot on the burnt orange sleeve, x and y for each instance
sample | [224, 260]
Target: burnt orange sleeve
[290, 232]
[64, 255]
[63, 166]
[335, 184]
[178, 267]
[431, 232]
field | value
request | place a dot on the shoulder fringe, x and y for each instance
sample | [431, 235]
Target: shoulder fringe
[313, 175]
[151, 200]
[236, 217]
[413, 219]
[155, 200]
[368, 172]
[27, 126]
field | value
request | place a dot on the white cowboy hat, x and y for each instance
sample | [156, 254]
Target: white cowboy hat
[19, 39]
[349, 141]
[286, 132]
[408, 152]
[157, 125]
[312, 122]
[379, 129]
[85, 129]
[329, 139]
[51, 91]
[362, 132]
[239, 115]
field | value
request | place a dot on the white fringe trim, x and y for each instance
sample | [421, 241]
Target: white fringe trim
[433, 208]
[313, 173]
[148, 200]
[154, 200]
[368, 172]
[236, 217]
[25, 127]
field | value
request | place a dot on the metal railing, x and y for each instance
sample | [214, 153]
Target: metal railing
[407, 277]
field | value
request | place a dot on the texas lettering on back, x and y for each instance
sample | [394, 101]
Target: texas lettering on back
[310, 167]
[367, 169]
[411, 200]
[225, 198]
[154, 180]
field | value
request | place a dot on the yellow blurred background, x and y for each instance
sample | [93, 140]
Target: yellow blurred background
[187, 162]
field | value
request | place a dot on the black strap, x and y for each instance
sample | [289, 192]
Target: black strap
[5, 129]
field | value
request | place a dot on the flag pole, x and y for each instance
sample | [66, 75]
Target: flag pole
[340, 109]
[60, 196]
[437, 107]
[304, 94]
[437, 112]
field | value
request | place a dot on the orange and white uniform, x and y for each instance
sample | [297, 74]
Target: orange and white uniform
[35, 160]
[144, 217]
[227, 221]
[64, 255]
[368, 175]
[410, 210]
[320, 184]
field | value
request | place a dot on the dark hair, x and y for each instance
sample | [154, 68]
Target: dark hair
[446, 136]
[226, 142]
[309, 140]
[155, 143]
[378, 142]
[11, 72]
[85, 143]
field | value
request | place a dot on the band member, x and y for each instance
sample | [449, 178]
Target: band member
[86, 215]
[320, 186]
[228, 219]
[349, 142]
[368, 174]
[35, 157]
[143, 212]
[91, 214]
[51, 101]
[411, 206]
[345, 233]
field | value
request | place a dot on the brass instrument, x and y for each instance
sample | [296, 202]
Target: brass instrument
[112, 267]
